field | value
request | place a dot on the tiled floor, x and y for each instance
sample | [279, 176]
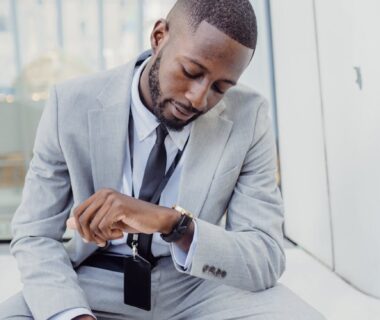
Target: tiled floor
[304, 275]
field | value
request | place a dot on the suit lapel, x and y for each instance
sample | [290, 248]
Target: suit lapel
[108, 132]
[208, 138]
[108, 141]
[108, 127]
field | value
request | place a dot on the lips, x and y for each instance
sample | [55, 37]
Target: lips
[180, 112]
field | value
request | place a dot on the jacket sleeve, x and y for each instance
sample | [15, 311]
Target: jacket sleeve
[50, 283]
[248, 253]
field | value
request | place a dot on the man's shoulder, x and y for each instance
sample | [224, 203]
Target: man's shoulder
[244, 96]
[114, 80]
[243, 102]
[91, 83]
[77, 96]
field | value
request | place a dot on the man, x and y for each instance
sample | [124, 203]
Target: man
[105, 145]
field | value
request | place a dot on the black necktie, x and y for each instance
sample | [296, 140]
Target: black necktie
[153, 176]
[155, 166]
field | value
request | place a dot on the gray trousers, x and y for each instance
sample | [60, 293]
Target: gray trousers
[177, 296]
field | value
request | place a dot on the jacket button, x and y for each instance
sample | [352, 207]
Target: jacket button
[205, 268]
[212, 270]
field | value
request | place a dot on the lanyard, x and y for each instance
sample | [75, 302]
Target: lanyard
[157, 194]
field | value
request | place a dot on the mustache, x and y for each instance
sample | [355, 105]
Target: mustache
[188, 108]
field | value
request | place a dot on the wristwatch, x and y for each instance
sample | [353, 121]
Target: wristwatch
[180, 227]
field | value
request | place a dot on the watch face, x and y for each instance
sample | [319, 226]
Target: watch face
[182, 211]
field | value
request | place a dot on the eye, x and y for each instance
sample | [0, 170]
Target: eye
[189, 75]
[217, 89]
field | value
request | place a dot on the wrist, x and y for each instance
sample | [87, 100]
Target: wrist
[171, 217]
[185, 242]
[182, 226]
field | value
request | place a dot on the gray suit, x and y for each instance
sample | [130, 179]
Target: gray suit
[229, 165]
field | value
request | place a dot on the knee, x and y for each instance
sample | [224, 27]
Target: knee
[15, 308]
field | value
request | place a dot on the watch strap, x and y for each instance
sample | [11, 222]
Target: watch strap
[180, 227]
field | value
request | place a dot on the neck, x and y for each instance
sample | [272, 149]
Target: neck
[144, 91]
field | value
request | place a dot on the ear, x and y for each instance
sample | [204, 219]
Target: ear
[159, 35]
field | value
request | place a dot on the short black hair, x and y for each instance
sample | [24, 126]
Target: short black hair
[235, 18]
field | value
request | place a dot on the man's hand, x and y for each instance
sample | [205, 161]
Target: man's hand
[106, 214]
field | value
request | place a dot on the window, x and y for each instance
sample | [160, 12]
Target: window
[46, 41]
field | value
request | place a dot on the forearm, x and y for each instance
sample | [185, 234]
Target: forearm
[47, 273]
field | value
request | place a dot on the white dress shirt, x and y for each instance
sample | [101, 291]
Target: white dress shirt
[144, 137]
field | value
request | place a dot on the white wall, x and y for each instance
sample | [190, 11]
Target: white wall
[259, 74]
[329, 131]
[348, 36]
[300, 126]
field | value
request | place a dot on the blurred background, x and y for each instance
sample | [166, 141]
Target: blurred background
[317, 62]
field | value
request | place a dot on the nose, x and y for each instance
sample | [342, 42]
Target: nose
[197, 95]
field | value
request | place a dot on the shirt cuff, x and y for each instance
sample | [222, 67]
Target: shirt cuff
[180, 257]
[71, 313]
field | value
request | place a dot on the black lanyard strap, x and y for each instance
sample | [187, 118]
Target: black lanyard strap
[156, 197]
[157, 194]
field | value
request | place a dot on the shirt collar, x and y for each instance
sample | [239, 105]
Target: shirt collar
[146, 122]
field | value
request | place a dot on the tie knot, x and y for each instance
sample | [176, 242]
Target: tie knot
[161, 132]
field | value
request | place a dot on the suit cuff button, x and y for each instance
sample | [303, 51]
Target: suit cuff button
[212, 270]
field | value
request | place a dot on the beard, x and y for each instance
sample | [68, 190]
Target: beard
[160, 105]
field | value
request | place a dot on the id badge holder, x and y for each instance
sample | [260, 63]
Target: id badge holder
[137, 281]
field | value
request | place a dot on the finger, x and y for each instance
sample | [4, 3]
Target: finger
[100, 242]
[86, 218]
[88, 201]
[78, 211]
[116, 234]
[77, 224]
[94, 225]
[108, 223]
[111, 232]
[108, 227]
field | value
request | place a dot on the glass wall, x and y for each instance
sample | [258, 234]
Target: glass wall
[46, 41]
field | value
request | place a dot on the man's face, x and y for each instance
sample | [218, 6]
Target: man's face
[191, 72]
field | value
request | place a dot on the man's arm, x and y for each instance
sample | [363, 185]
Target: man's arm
[50, 283]
[249, 252]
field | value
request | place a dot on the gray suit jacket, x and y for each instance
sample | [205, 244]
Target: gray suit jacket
[229, 166]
